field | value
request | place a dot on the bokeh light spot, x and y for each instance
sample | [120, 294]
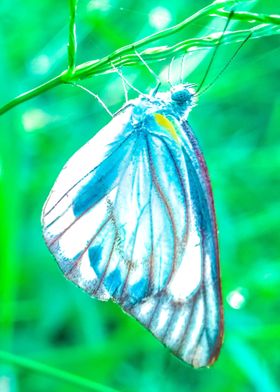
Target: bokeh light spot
[236, 298]
[101, 5]
[159, 18]
[34, 119]
[40, 65]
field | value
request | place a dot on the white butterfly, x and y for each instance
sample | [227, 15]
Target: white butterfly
[131, 218]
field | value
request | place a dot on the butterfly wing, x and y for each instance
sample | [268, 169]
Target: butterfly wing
[131, 218]
[187, 314]
[76, 216]
[104, 218]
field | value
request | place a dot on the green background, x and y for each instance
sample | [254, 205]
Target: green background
[46, 318]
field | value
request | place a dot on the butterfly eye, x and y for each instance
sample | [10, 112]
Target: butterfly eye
[181, 96]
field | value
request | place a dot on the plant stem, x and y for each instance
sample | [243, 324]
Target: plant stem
[127, 55]
[250, 17]
[33, 93]
[72, 43]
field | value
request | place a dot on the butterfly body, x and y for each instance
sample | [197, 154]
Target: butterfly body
[131, 218]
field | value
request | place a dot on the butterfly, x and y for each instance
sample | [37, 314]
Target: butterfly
[131, 218]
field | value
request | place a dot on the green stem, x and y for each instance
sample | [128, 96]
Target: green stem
[49, 371]
[72, 43]
[250, 17]
[34, 92]
[127, 56]
[72, 51]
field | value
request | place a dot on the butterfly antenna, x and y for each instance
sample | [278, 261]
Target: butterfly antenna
[215, 51]
[147, 65]
[122, 79]
[95, 96]
[227, 64]
[155, 90]
[169, 72]
[182, 67]
[125, 82]
[124, 87]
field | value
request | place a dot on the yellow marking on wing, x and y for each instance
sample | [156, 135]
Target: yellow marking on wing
[167, 125]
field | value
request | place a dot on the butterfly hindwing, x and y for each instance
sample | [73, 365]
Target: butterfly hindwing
[187, 314]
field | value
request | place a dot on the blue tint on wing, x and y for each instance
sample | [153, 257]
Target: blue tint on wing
[198, 195]
[95, 258]
[113, 282]
[202, 206]
[138, 291]
[103, 179]
[199, 203]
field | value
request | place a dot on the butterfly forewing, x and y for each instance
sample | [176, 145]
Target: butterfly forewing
[131, 218]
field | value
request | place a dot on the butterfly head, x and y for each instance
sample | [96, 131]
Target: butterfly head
[182, 99]
[182, 95]
[179, 100]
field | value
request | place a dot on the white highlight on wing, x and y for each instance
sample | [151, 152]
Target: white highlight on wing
[137, 271]
[194, 329]
[76, 238]
[178, 328]
[132, 212]
[60, 217]
[187, 277]
[146, 307]
[144, 310]
[201, 353]
[86, 271]
[163, 317]
[211, 299]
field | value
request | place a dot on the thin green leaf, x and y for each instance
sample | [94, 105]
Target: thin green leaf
[248, 361]
[50, 371]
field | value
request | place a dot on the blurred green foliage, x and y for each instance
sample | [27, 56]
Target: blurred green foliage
[45, 318]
